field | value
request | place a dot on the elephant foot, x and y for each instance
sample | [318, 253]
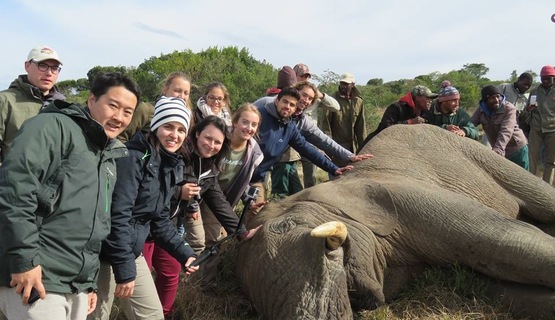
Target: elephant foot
[526, 301]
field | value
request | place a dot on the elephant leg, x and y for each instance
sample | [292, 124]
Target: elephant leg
[534, 195]
[446, 227]
[524, 301]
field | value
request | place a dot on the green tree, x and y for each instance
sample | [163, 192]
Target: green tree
[72, 87]
[468, 85]
[375, 82]
[245, 77]
[479, 70]
[99, 69]
[514, 76]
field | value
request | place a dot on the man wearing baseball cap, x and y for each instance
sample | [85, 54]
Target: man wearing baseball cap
[29, 93]
[541, 114]
[408, 110]
[347, 125]
[322, 102]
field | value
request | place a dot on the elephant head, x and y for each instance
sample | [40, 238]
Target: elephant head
[428, 197]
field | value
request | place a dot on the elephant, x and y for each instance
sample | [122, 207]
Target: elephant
[427, 198]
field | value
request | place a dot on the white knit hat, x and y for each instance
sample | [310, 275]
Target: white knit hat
[168, 110]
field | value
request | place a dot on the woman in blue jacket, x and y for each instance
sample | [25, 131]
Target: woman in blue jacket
[140, 206]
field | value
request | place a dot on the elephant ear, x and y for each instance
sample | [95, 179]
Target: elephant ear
[370, 203]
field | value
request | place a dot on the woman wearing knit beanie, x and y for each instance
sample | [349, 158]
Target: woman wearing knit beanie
[141, 206]
[445, 112]
[499, 121]
[168, 270]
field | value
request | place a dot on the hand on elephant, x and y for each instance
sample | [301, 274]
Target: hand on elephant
[360, 157]
[417, 120]
[340, 171]
[256, 207]
[456, 130]
[249, 234]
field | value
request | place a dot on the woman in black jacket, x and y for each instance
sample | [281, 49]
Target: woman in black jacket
[140, 206]
[206, 145]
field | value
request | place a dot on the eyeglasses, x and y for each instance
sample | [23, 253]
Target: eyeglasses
[44, 67]
[215, 99]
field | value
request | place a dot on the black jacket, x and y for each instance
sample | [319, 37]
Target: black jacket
[210, 193]
[140, 205]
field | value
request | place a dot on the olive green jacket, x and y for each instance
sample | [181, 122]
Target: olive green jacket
[140, 121]
[18, 103]
[55, 198]
[347, 126]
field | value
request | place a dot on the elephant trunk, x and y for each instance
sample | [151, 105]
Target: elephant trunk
[335, 233]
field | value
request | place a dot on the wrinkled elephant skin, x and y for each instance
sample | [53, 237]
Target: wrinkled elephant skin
[428, 197]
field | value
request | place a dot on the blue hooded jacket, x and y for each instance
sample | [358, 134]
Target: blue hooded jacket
[276, 134]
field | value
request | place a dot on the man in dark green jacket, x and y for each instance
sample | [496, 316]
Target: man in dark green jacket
[28, 94]
[55, 195]
[445, 113]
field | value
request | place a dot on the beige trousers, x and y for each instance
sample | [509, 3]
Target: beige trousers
[54, 306]
[143, 304]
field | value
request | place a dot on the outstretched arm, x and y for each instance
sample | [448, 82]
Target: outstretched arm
[319, 139]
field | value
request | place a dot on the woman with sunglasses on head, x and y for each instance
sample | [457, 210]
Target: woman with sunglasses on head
[215, 101]
[141, 206]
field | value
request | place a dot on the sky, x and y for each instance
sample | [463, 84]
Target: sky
[393, 39]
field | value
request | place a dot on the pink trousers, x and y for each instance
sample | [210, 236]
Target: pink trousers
[167, 274]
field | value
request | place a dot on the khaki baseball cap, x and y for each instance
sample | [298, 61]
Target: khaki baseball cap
[347, 78]
[42, 53]
[301, 69]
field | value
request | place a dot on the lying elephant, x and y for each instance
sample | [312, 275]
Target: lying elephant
[428, 197]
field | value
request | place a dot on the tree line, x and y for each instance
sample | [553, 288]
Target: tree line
[248, 78]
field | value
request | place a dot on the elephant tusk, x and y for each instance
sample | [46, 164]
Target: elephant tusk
[335, 233]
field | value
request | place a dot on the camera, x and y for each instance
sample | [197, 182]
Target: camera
[251, 194]
[193, 205]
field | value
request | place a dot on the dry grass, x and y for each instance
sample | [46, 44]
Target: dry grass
[456, 293]
[227, 301]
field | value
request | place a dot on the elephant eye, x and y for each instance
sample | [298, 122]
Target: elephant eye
[283, 226]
